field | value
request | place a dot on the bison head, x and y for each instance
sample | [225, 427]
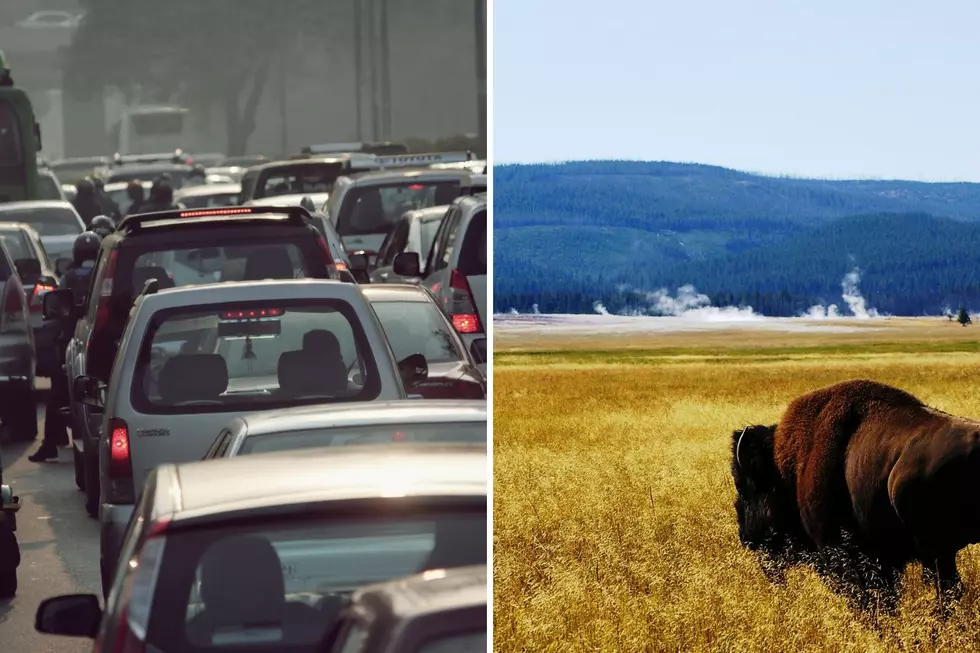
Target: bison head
[757, 484]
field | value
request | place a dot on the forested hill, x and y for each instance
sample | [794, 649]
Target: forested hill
[568, 234]
[910, 264]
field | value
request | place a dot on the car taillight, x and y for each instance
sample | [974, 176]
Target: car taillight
[36, 302]
[120, 462]
[461, 305]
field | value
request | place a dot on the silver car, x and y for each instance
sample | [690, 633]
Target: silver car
[192, 358]
[57, 222]
[455, 269]
[414, 232]
[437, 421]
[262, 553]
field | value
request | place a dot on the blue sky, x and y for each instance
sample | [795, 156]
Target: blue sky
[828, 88]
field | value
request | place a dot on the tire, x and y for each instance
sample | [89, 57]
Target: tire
[92, 485]
[79, 469]
[21, 414]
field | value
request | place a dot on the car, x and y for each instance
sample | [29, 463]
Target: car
[413, 232]
[118, 194]
[246, 161]
[318, 199]
[37, 277]
[18, 362]
[415, 323]
[476, 166]
[193, 358]
[48, 187]
[304, 177]
[206, 159]
[438, 611]
[207, 196]
[366, 207]
[177, 248]
[73, 170]
[378, 422]
[50, 19]
[58, 223]
[262, 553]
[455, 269]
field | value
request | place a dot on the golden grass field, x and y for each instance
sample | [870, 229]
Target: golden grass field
[612, 496]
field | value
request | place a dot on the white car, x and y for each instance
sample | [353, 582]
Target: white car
[192, 358]
[208, 196]
[57, 222]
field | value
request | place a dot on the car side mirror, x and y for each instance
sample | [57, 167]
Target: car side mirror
[413, 369]
[58, 304]
[90, 391]
[479, 350]
[61, 266]
[406, 264]
[72, 615]
[358, 262]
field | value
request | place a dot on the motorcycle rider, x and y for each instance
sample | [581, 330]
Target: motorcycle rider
[161, 198]
[86, 201]
[77, 279]
[102, 225]
[109, 206]
[137, 197]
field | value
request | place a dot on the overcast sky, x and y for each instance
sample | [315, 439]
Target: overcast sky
[835, 88]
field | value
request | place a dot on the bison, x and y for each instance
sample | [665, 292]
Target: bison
[862, 478]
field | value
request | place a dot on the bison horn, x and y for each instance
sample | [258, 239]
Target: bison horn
[738, 446]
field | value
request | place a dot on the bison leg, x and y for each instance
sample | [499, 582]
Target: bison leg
[943, 575]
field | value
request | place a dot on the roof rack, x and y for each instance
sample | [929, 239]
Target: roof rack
[294, 214]
[413, 160]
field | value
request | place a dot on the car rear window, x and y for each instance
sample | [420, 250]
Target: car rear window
[417, 328]
[51, 221]
[376, 209]
[189, 266]
[254, 356]
[269, 586]
[431, 433]
[209, 201]
[16, 243]
[48, 188]
[294, 180]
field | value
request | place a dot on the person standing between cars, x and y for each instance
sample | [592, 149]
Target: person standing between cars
[77, 278]
[109, 206]
[137, 197]
[86, 202]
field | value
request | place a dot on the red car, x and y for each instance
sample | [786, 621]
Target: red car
[416, 324]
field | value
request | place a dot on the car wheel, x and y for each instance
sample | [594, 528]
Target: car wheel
[79, 469]
[21, 414]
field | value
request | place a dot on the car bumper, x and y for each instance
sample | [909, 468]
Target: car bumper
[114, 519]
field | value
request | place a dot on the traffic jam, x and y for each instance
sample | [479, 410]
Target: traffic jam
[270, 379]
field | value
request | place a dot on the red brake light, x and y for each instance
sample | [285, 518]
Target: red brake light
[206, 212]
[158, 528]
[120, 463]
[251, 314]
[416, 187]
[466, 323]
[398, 436]
[340, 265]
[462, 307]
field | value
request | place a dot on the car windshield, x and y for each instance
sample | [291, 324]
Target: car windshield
[274, 586]
[255, 356]
[192, 266]
[48, 188]
[434, 433]
[48, 221]
[376, 209]
[209, 201]
[16, 243]
[417, 328]
[295, 180]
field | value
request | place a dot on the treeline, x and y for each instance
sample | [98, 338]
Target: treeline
[910, 264]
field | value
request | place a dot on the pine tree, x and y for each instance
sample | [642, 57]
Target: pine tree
[963, 317]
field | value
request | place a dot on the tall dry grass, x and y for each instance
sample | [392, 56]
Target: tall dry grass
[613, 520]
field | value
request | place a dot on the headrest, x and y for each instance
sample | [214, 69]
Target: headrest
[193, 377]
[321, 341]
[268, 263]
[143, 274]
[242, 582]
[306, 372]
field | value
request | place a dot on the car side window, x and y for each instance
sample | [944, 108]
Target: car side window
[448, 245]
[399, 239]
[432, 261]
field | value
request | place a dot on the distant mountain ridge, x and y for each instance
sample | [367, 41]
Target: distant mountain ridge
[564, 233]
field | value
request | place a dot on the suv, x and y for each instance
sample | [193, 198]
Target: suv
[177, 248]
[193, 358]
[301, 177]
[456, 269]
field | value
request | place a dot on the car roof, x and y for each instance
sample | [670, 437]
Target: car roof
[290, 198]
[401, 411]
[303, 476]
[428, 592]
[36, 204]
[79, 160]
[208, 189]
[288, 163]
[19, 226]
[395, 292]
[428, 214]
[382, 177]
[244, 291]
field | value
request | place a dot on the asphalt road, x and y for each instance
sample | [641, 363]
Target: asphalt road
[59, 546]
